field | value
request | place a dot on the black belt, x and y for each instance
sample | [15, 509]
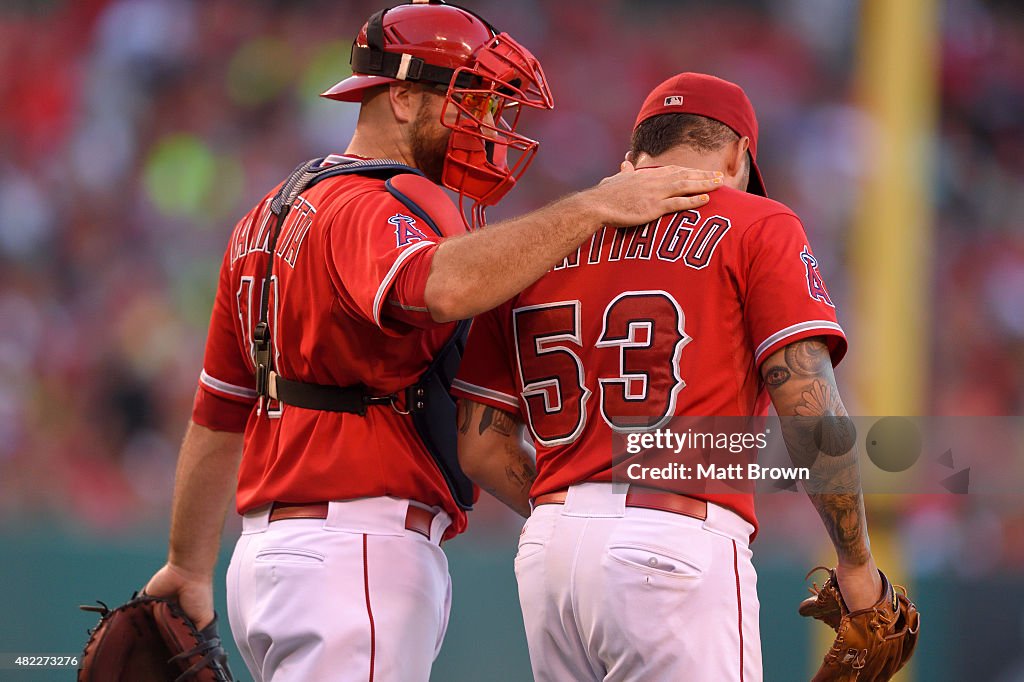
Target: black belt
[353, 399]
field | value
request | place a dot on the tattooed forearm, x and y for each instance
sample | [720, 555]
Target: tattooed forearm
[820, 435]
[805, 358]
[776, 376]
[808, 358]
[521, 473]
[465, 415]
[814, 421]
[497, 420]
[508, 478]
[492, 454]
[820, 399]
[843, 516]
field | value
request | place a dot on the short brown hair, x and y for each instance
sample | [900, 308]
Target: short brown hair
[660, 133]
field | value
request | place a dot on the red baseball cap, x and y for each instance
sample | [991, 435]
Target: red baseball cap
[704, 95]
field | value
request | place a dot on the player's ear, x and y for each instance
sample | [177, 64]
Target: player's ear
[404, 100]
[637, 159]
[737, 158]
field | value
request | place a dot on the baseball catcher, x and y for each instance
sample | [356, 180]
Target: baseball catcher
[871, 644]
[149, 638]
[342, 305]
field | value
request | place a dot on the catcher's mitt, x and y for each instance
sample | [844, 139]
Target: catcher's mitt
[871, 644]
[151, 639]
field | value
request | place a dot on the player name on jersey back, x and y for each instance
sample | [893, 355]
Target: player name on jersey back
[689, 237]
[648, 323]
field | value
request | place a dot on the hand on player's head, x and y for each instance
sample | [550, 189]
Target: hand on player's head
[634, 197]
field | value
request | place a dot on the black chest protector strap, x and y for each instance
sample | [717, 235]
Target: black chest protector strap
[428, 401]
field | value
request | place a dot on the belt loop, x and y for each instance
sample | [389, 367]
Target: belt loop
[438, 526]
[594, 499]
[256, 521]
[335, 515]
[723, 521]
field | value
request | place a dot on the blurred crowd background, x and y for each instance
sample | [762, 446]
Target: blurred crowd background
[134, 133]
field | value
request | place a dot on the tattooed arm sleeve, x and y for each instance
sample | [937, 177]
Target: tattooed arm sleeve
[493, 454]
[820, 436]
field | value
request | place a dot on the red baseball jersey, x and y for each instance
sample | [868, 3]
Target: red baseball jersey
[345, 307]
[666, 319]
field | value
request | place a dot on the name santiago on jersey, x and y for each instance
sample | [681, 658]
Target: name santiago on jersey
[686, 235]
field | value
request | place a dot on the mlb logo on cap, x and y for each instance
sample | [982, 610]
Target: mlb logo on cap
[704, 95]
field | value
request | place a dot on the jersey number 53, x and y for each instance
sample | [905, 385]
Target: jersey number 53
[644, 329]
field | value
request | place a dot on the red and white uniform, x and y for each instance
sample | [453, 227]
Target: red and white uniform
[671, 318]
[346, 307]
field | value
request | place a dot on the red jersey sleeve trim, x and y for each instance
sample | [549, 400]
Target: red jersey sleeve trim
[803, 330]
[226, 389]
[378, 300]
[218, 413]
[485, 395]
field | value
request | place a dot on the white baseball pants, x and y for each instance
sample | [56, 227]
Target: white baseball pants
[616, 593]
[354, 597]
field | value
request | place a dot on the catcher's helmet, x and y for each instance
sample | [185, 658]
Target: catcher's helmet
[487, 77]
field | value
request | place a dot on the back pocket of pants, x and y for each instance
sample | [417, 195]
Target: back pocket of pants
[656, 560]
[290, 555]
[528, 549]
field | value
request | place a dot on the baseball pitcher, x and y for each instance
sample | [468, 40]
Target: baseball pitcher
[706, 312]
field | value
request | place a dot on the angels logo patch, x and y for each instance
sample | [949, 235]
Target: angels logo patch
[815, 285]
[406, 231]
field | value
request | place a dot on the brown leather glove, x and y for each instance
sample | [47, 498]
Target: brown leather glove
[149, 638]
[871, 644]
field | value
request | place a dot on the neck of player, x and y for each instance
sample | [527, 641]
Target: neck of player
[385, 125]
[729, 160]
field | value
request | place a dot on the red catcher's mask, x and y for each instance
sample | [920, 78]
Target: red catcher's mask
[486, 154]
[488, 80]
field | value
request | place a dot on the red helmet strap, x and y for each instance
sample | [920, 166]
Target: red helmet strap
[372, 60]
[404, 67]
[375, 39]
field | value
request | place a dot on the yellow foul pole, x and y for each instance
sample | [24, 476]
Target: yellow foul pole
[897, 74]
[891, 255]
